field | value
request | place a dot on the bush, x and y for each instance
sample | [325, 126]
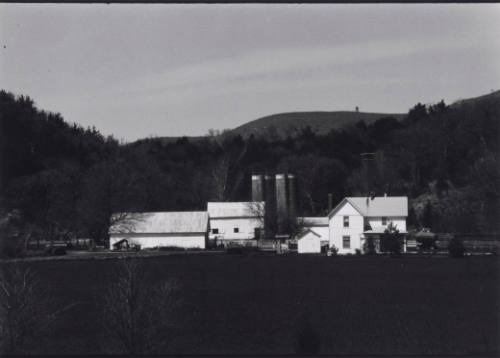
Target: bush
[369, 246]
[391, 240]
[10, 247]
[427, 243]
[456, 248]
[333, 251]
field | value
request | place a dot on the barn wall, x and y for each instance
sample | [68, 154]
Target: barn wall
[226, 226]
[355, 229]
[187, 240]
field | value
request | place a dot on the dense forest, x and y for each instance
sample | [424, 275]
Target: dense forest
[60, 180]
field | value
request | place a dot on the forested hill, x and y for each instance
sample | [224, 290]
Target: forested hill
[60, 180]
[291, 124]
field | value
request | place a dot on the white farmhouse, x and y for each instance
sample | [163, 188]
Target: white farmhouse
[355, 218]
[314, 236]
[235, 221]
[186, 229]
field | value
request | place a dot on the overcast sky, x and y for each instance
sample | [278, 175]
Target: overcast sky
[169, 70]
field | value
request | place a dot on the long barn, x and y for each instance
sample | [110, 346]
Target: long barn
[185, 229]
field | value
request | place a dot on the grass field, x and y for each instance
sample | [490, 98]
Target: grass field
[257, 304]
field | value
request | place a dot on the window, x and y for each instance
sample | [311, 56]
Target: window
[235, 230]
[346, 242]
[346, 221]
[384, 220]
[215, 231]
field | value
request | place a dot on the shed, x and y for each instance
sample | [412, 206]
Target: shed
[309, 242]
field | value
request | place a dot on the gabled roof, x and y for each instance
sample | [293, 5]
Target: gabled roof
[168, 222]
[235, 209]
[314, 221]
[304, 233]
[376, 206]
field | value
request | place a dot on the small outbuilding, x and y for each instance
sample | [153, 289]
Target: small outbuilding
[308, 242]
[184, 229]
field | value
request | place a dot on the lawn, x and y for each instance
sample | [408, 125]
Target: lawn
[258, 304]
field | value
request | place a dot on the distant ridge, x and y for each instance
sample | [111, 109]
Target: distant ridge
[320, 122]
[495, 95]
[284, 124]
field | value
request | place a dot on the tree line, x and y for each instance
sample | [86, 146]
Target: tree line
[60, 180]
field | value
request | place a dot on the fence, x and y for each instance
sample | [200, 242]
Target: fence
[473, 242]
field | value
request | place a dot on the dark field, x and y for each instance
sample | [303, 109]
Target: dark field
[257, 305]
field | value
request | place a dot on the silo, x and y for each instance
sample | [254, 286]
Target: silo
[270, 209]
[257, 188]
[292, 195]
[281, 202]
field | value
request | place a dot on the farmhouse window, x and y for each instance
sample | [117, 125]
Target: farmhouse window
[384, 220]
[346, 221]
[215, 231]
[236, 230]
[346, 242]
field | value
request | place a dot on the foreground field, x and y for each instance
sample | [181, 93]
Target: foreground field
[258, 305]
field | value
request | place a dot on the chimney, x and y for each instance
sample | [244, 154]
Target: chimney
[330, 202]
[292, 195]
[281, 202]
[257, 188]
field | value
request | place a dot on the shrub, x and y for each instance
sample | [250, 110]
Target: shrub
[333, 251]
[358, 252]
[427, 243]
[456, 248]
[369, 246]
[391, 240]
[10, 247]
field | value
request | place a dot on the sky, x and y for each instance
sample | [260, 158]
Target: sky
[135, 71]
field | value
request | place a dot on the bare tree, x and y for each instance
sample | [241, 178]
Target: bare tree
[137, 315]
[220, 177]
[25, 313]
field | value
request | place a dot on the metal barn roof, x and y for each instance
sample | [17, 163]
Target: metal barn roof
[169, 222]
[377, 206]
[314, 221]
[235, 209]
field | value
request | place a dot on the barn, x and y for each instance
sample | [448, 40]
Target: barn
[236, 222]
[184, 229]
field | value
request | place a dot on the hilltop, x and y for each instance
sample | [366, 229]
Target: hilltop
[284, 124]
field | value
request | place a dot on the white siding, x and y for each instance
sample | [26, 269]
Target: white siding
[191, 240]
[355, 229]
[399, 221]
[309, 244]
[246, 228]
